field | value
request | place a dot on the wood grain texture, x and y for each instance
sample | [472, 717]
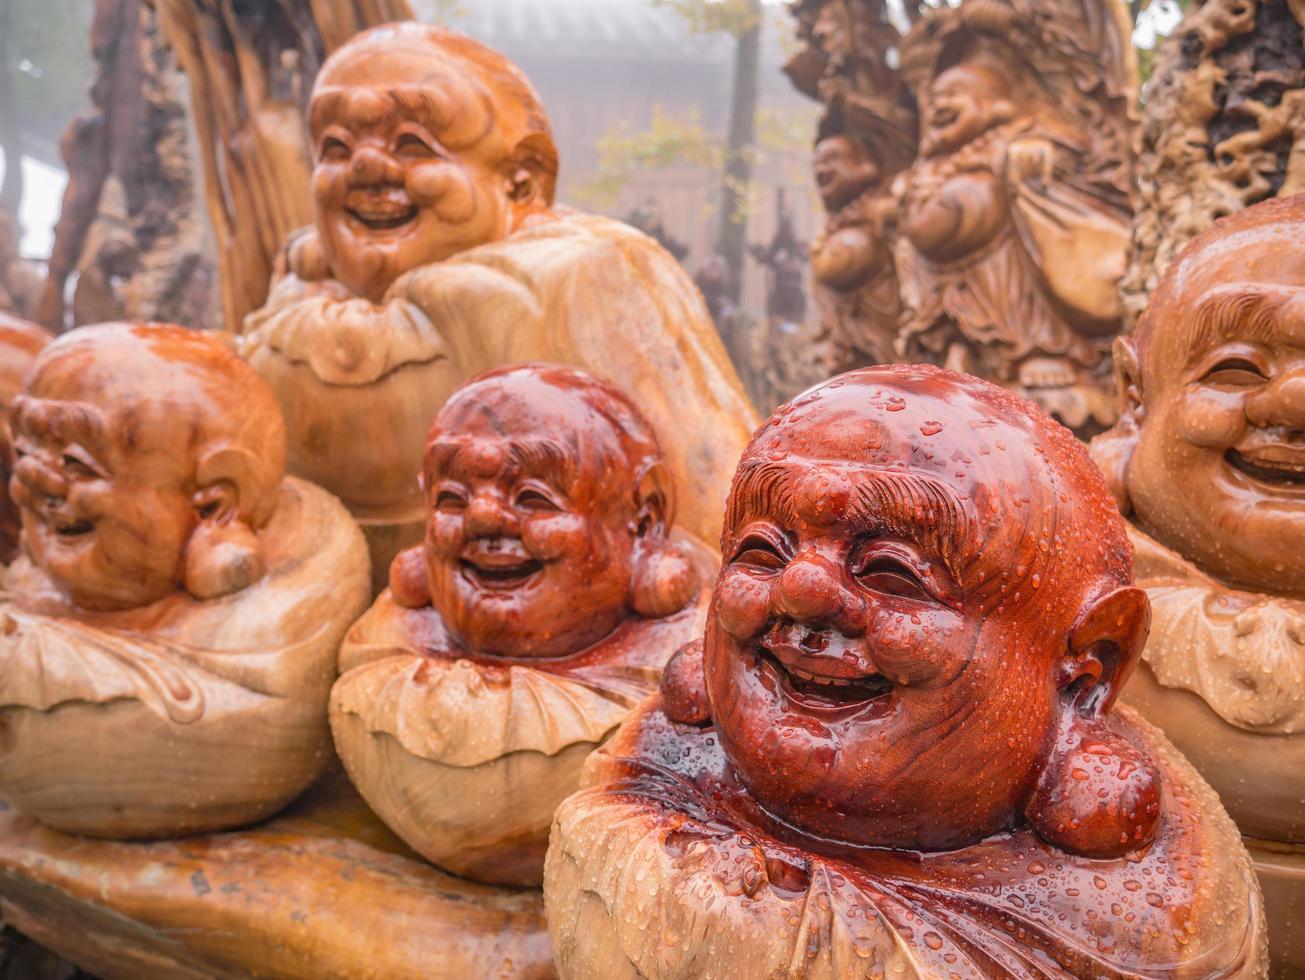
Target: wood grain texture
[323, 892]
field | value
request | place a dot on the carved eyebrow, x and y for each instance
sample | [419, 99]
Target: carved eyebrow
[1235, 313]
[918, 509]
[64, 421]
[542, 457]
[915, 508]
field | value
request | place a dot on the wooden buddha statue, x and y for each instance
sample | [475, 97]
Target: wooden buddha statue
[896, 751]
[437, 255]
[546, 598]
[1208, 464]
[168, 635]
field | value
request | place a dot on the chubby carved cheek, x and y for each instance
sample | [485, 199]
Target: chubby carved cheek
[444, 187]
[445, 535]
[742, 604]
[330, 184]
[912, 646]
[1209, 418]
[93, 499]
[555, 536]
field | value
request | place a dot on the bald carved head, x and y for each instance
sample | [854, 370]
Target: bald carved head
[427, 143]
[147, 456]
[924, 582]
[1209, 456]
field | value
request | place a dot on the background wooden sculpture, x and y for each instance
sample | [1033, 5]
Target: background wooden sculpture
[169, 633]
[250, 68]
[895, 753]
[542, 606]
[20, 342]
[1223, 127]
[1007, 235]
[437, 255]
[130, 226]
[1207, 461]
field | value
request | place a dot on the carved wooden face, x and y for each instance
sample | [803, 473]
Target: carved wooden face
[1218, 472]
[534, 516]
[963, 103]
[843, 171]
[904, 558]
[411, 168]
[127, 439]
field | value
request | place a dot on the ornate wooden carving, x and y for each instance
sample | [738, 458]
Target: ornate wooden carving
[1207, 462]
[990, 233]
[1222, 128]
[896, 750]
[168, 636]
[130, 226]
[541, 607]
[437, 255]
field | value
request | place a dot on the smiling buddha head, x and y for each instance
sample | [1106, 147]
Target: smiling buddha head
[172, 622]
[897, 742]
[542, 605]
[427, 144]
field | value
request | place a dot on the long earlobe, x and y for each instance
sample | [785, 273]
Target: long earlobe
[409, 587]
[1097, 794]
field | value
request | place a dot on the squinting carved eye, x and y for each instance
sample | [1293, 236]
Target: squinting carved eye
[1234, 372]
[450, 502]
[535, 501]
[759, 553]
[333, 149]
[414, 147]
[78, 467]
[889, 575]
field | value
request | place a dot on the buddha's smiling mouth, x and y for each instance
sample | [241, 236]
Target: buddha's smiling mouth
[499, 570]
[1280, 468]
[382, 214]
[819, 682]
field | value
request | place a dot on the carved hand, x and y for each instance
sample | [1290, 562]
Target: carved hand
[1030, 159]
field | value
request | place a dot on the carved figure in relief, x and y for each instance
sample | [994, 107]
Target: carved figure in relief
[896, 750]
[437, 254]
[1207, 462]
[989, 233]
[542, 605]
[169, 631]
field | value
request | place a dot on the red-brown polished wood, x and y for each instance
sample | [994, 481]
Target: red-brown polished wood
[542, 605]
[169, 634]
[908, 759]
[1208, 461]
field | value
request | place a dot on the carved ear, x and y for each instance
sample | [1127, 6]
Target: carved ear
[1097, 794]
[1104, 646]
[1113, 450]
[665, 581]
[532, 177]
[223, 554]
[409, 587]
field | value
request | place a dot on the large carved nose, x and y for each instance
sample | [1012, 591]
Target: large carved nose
[809, 591]
[39, 479]
[370, 166]
[1280, 403]
[488, 517]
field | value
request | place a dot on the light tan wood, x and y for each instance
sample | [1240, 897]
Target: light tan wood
[424, 270]
[168, 637]
[323, 892]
